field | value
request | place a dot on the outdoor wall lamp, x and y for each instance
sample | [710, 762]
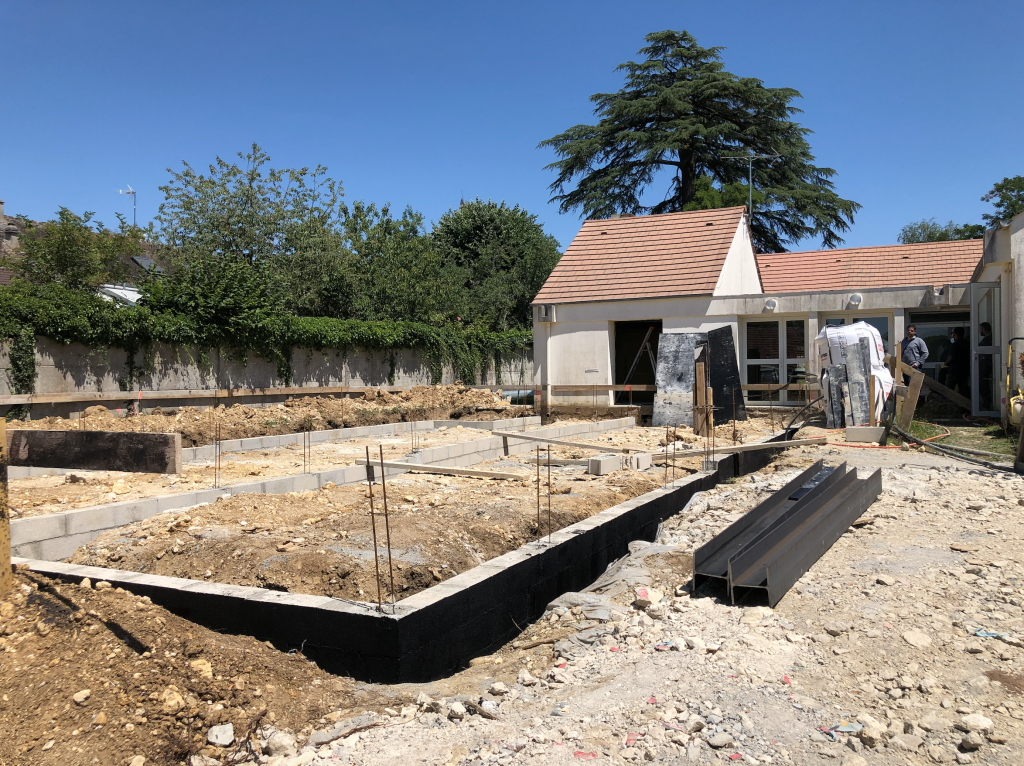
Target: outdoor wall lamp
[771, 304]
[856, 299]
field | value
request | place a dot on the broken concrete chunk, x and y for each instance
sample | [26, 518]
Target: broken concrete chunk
[646, 597]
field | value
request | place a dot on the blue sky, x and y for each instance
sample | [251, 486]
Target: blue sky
[918, 106]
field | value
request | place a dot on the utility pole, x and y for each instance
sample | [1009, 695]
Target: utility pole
[130, 191]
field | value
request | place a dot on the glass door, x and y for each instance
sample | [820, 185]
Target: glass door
[985, 341]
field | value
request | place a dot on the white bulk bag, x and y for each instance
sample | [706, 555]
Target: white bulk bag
[831, 346]
[832, 341]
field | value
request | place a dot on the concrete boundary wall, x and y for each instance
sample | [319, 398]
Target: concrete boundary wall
[206, 451]
[436, 631]
[56, 536]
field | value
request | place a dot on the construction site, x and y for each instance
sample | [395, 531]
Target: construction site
[725, 510]
[496, 584]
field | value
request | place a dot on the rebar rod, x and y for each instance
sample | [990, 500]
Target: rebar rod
[549, 494]
[373, 526]
[538, 494]
[387, 522]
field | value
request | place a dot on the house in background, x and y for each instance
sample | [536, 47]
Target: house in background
[625, 277]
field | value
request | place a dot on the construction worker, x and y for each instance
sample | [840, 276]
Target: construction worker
[915, 351]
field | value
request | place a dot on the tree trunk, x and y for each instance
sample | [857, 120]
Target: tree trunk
[687, 177]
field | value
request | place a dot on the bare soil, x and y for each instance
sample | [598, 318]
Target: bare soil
[321, 542]
[155, 682]
[376, 406]
[39, 495]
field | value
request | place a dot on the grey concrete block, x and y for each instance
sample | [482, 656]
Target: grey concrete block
[305, 482]
[640, 461]
[38, 528]
[865, 434]
[278, 486]
[599, 465]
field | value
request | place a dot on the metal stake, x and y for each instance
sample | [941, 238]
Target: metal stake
[734, 416]
[387, 522]
[538, 493]
[373, 526]
[549, 494]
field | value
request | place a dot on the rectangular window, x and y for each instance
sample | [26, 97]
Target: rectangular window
[760, 374]
[795, 343]
[763, 340]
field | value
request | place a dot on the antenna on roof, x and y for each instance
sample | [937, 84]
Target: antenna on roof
[130, 191]
[750, 176]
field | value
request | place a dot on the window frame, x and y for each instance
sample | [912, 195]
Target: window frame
[783, 361]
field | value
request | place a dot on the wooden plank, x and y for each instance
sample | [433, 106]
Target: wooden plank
[781, 387]
[910, 403]
[933, 385]
[555, 461]
[6, 577]
[748, 447]
[700, 389]
[561, 442]
[96, 450]
[602, 387]
[442, 469]
[219, 393]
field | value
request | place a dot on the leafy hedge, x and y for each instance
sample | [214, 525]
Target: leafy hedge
[72, 316]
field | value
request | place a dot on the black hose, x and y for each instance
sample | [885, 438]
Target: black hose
[801, 411]
[950, 453]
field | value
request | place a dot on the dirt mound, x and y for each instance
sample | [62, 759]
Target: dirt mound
[313, 413]
[105, 674]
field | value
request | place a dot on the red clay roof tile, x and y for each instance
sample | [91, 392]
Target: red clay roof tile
[926, 263]
[650, 256]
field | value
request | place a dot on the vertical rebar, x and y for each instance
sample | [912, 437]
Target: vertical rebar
[216, 454]
[673, 460]
[666, 454]
[387, 522]
[538, 494]
[373, 526]
[549, 494]
[734, 415]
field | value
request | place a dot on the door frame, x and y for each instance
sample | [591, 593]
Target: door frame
[978, 289]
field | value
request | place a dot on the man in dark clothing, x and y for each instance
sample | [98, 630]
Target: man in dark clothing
[959, 376]
[915, 351]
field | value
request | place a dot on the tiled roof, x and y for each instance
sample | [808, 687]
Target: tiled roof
[650, 256]
[926, 263]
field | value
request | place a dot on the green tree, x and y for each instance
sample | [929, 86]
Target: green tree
[681, 114]
[930, 230]
[286, 222]
[1007, 197]
[503, 255]
[76, 252]
[398, 273]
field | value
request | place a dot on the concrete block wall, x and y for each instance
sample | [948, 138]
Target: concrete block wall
[206, 452]
[436, 631]
[57, 536]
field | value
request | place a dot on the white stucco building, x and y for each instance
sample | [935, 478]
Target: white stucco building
[697, 271]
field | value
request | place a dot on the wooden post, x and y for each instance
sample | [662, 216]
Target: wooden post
[910, 403]
[709, 403]
[894, 362]
[6, 578]
[700, 390]
[872, 420]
